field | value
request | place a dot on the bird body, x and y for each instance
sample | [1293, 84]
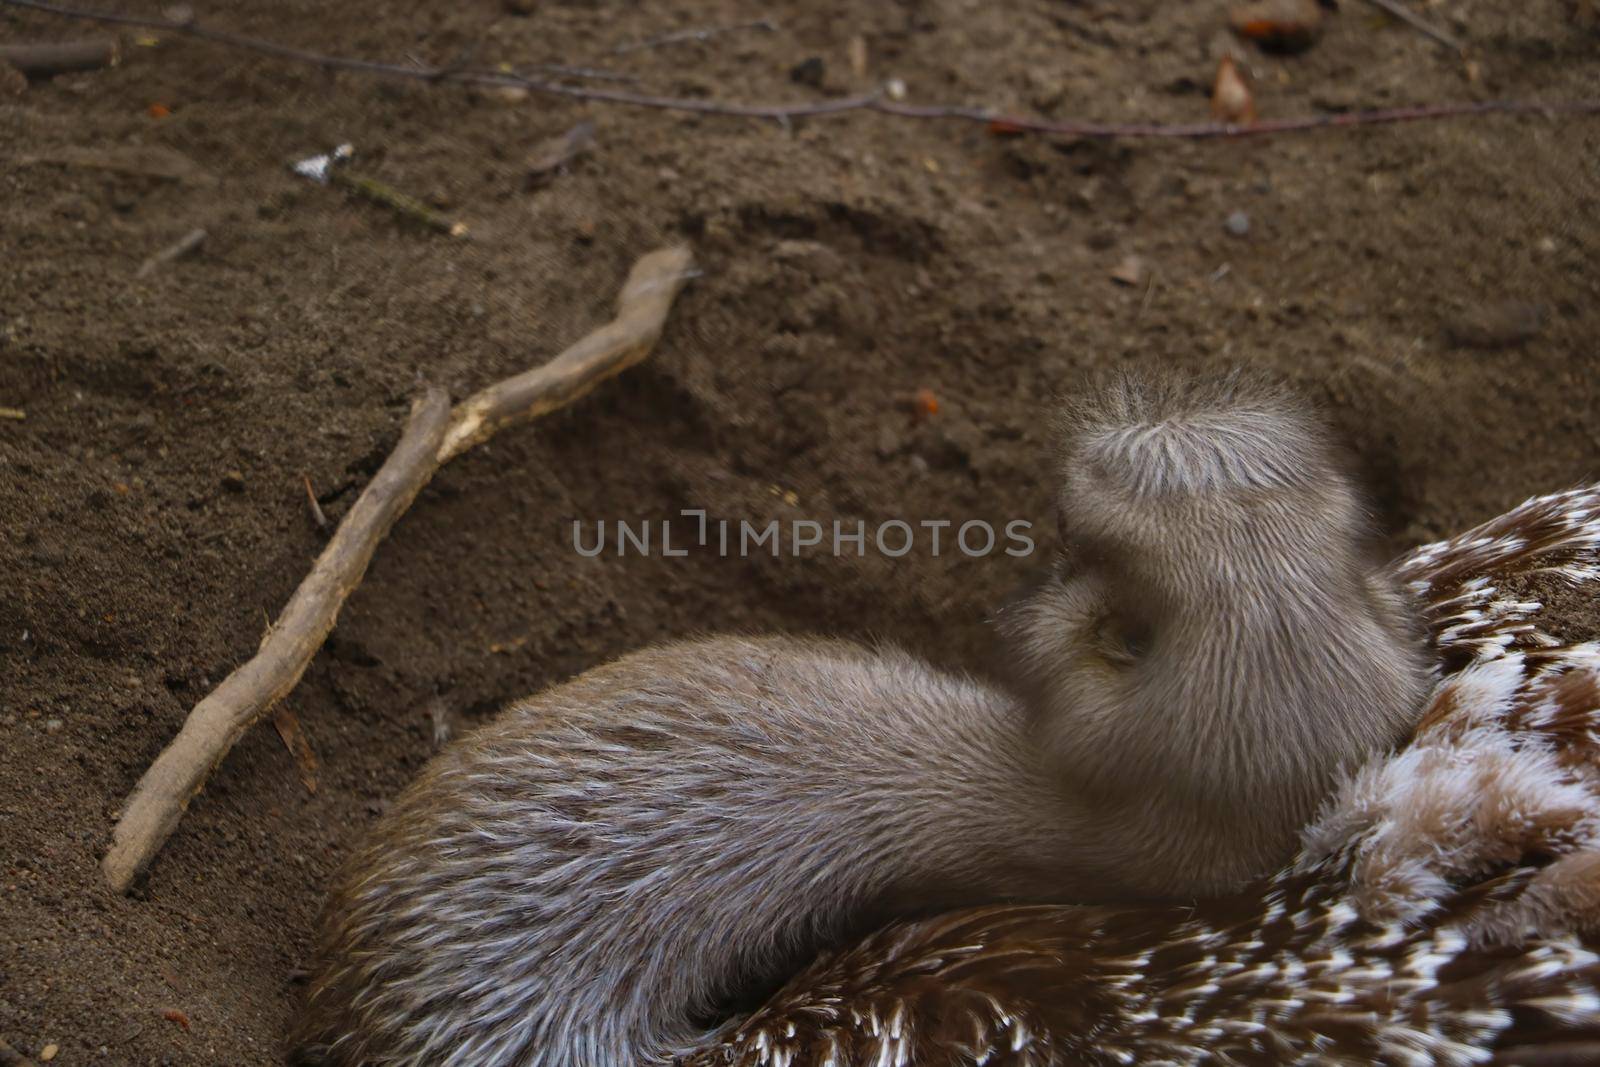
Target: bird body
[599, 875]
[1444, 908]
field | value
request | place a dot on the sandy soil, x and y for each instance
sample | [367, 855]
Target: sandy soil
[1433, 286]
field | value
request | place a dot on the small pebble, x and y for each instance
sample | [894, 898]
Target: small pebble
[1129, 272]
[809, 71]
[888, 443]
[52, 726]
[233, 481]
[1238, 224]
[48, 1053]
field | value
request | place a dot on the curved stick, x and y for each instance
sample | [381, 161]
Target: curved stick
[434, 435]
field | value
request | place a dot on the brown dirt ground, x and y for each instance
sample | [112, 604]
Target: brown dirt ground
[151, 503]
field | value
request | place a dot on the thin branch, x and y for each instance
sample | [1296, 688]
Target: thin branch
[869, 102]
[434, 435]
[402, 204]
[181, 247]
[598, 74]
[156, 804]
[1418, 23]
[705, 33]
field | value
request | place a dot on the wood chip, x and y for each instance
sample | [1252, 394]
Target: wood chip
[858, 56]
[1231, 99]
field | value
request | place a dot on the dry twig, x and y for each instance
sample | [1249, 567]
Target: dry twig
[59, 57]
[704, 33]
[402, 204]
[433, 436]
[317, 515]
[1418, 23]
[152, 161]
[329, 169]
[181, 247]
[870, 102]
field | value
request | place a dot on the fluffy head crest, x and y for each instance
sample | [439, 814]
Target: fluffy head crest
[1153, 437]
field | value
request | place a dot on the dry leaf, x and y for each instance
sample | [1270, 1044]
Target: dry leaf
[1279, 25]
[1231, 99]
[295, 741]
[550, 155]
[12, 81]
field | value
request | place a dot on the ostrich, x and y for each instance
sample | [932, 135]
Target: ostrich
[1444, 908]
[591, 878]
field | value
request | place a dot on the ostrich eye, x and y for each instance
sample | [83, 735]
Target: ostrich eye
[1120, 641]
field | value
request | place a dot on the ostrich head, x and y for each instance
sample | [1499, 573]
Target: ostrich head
[1216, 642]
